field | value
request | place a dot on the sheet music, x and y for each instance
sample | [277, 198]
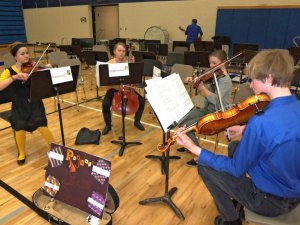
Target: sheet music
[169, 99]
[97, 71]
[61, 75]
[156, 72]
[118, 69]
[153, 81]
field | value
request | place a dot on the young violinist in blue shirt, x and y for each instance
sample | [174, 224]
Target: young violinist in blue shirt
[263, 171]
[25, 116]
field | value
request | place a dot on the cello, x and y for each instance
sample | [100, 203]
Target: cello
[214, 123]
[125, 100]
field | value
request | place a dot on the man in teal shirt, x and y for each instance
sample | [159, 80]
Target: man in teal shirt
[263, 171]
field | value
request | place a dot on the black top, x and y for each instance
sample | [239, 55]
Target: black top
[25, 115]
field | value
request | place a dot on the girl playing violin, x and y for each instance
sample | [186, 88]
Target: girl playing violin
[119, 57]
[211, 99]
[25, 115]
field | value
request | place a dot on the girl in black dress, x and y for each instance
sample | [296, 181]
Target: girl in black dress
[25, 115]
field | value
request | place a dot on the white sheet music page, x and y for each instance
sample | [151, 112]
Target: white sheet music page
[61, 75]
[156, 72]
[153, 81]
[169, 99]
[118, 69]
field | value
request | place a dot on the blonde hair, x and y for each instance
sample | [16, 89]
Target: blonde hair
[276, 62]
[121, 44]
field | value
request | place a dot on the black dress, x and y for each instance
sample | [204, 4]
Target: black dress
[25, 115]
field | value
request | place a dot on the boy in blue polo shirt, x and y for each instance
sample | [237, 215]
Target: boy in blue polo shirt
[262, 172]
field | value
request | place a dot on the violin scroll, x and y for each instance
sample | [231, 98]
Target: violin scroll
[164, 147]
[131, 58]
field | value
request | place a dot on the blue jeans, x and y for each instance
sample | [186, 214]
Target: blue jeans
[224, 187]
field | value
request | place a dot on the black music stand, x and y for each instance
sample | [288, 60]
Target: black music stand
[197, 59]
[166, 198]
[6, 95]
[41, 87]
[162, 158]
[135, 76]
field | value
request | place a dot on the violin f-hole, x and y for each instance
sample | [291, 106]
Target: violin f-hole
[228, 135]
[257, 110]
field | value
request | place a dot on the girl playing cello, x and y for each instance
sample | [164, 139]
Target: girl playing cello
[119, 57]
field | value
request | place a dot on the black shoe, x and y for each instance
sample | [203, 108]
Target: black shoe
[192, 163]
[138, 125]
[106, 130]
[21, 161]
[220, 221]
[181, 150]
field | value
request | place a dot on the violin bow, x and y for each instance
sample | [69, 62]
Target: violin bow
[36, 64]
[217, 86]
[212, 70]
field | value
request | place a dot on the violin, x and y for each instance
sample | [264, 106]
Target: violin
[214, 123]
[31, 66]
[127, 94]
[206, 77]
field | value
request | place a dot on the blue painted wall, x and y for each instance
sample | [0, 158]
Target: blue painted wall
[269, 28]
[12, 26]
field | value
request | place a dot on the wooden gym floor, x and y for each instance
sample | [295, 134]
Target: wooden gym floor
[134, 177]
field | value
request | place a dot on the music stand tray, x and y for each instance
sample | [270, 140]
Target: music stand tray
[41, 87]
[135, 76]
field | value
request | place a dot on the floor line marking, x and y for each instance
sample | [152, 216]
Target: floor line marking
[149, 124]
[12, 214]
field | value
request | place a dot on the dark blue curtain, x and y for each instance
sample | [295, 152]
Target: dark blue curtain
[11, 22]
[268, 28]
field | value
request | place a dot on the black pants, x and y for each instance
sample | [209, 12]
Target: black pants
[223, 187]
[107, 102]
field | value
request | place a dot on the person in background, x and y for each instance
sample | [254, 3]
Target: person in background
[119, 57]
[193, 32]
[25, 116]
[211, 99]
[263, 170]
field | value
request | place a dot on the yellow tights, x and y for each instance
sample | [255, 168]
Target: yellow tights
[20, 137]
